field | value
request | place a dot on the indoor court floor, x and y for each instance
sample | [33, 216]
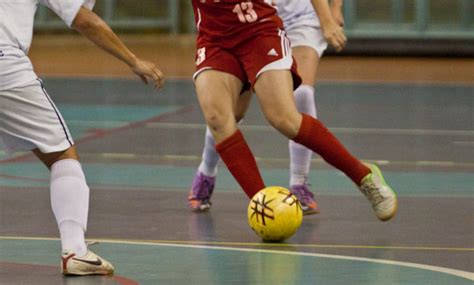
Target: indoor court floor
[140, 149]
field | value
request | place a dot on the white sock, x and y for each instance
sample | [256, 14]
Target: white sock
[210, 157]
[70, 204]
[300, 156]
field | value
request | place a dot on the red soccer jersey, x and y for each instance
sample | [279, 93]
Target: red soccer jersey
[230, 22]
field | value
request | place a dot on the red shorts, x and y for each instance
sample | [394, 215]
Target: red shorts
[268, 50]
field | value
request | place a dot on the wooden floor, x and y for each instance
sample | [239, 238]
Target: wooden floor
[140, 149]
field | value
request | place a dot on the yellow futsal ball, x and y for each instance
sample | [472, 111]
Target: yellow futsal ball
[274, 213]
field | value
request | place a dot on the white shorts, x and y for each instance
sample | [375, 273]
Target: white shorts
[29, 120]
[310, 36]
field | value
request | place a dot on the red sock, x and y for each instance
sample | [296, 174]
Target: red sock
[315, 136]
[240, 161]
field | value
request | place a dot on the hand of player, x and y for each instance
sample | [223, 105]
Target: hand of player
[148, 70]
[334, 35]
[337, 15]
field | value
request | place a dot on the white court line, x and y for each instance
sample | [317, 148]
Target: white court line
[176, 157]
[336, 130]
[459, 273]
[385, 131]
[464, 143]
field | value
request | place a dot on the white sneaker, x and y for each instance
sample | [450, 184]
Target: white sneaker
[88, 264]
[381, 196]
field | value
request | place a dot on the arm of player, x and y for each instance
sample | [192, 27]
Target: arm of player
[333, 33]
[336, 12]
[96, 30]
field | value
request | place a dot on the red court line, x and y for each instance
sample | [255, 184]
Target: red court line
[14, 177]
[106, 132]
[125, 281]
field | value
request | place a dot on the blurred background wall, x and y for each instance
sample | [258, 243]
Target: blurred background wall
[374, 27]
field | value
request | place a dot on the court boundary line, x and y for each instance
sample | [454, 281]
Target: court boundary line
[454, 272]
[184, 242]
[265, 127]
[316, 160]
[225, 191]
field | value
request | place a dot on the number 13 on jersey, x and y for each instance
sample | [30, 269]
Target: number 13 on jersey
[245, 12]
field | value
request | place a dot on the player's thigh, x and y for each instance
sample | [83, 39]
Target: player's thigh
[274, 90]
[308, 61]
[218, 93]
[219, 79]
[271, 69]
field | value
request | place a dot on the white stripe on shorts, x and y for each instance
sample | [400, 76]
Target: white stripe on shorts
[61, 120]
[283, 63]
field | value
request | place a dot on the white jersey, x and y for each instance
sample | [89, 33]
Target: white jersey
[297, 12]
[16, 32]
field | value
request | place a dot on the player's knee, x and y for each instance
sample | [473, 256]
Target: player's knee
[279, 123]
[217, 121]
[284, 123]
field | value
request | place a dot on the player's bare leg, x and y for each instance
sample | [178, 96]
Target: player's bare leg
[243, 104]
[49, 159]
[273, 89]
[218, 94]
[279, 108]
[308, 63]
[70, 204]
[300, 156]
[202, 186]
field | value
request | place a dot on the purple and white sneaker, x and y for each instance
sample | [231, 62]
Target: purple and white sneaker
[306, 198]
[199, 198]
